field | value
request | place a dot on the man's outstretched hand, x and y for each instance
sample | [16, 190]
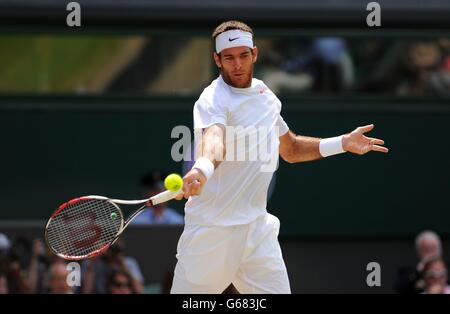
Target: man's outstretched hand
[356, 142]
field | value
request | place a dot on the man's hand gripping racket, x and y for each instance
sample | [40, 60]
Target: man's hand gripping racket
[193, 183]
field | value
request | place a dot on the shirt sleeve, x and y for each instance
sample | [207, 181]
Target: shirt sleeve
[283, 127]
[281, 124]
[207, 114]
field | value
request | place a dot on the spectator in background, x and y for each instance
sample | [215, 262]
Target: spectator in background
[11, 259]
[152, 184]
[428, 246]
[96, 271]
[120, 282]
[434, 276]
[417, 68]
[422, 62]
[4, 288]
[284, 66]
[38, 268]
[324, 66]
[57, 278]
[440, 79]
[5, 244]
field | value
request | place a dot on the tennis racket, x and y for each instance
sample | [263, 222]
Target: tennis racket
[87, 226]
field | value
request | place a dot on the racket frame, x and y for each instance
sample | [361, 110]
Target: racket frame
[154, 200]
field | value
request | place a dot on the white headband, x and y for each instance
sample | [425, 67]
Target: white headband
[233, 38]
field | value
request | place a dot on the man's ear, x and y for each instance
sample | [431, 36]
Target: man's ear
[255, 54]
[217, 60]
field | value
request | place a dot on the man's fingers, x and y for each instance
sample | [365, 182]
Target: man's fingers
[179, 196]
[192, 188]
[195, 187]
[185, 186]
[366, 128]
[376, 141]
[380, 149]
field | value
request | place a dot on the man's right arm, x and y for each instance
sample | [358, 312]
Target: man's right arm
[212, 145]
[212, 149]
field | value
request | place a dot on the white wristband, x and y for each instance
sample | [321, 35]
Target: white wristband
[205, 165]
[331, 146]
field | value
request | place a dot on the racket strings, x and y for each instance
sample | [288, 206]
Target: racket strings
[84, 227]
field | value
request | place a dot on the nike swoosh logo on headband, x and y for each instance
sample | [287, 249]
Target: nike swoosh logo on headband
[231, 39]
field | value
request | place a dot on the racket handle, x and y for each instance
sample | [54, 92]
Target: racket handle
[163, 197]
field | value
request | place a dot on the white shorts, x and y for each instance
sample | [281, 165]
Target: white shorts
[249, 256]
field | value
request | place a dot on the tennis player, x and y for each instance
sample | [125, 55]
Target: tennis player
[229, 238]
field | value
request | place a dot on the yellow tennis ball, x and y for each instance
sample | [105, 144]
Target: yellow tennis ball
[173, 182]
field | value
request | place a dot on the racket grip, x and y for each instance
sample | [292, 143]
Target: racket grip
[163, 197]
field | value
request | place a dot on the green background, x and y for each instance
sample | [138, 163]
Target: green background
[58, 148]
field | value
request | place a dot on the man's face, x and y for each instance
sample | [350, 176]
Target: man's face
[236, 65]
[428, 248]
[436, 277]
[57, 281]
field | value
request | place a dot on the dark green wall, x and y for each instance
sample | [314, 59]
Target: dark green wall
[402, 192]
[57, 149]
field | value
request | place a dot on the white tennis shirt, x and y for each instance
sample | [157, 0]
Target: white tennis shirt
[237, 192]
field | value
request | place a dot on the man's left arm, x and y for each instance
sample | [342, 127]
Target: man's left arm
[296, 148]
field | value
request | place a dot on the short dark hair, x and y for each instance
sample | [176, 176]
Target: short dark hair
[229, 25]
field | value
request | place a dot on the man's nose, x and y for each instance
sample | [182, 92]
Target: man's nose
[238, 64]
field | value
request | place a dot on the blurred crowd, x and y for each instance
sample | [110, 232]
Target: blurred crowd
[354, 64]
[334, 65]
[28, 267]
[429, 275]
